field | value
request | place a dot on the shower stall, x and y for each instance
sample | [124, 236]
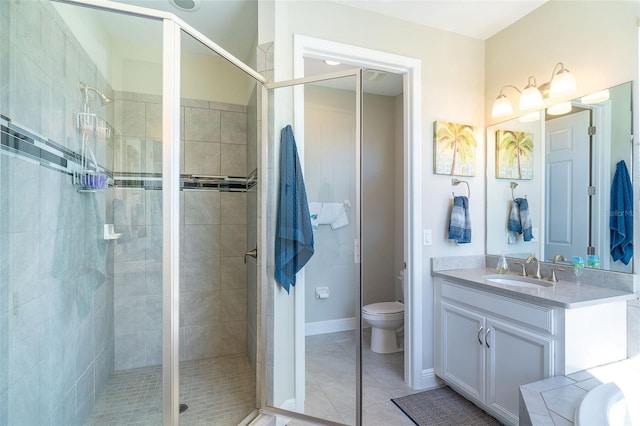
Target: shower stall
[128, 165]
[138, 176]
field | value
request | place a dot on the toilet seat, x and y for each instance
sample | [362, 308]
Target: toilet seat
[384, 308]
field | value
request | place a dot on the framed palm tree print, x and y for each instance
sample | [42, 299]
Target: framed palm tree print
[454, 149]
[514, 155]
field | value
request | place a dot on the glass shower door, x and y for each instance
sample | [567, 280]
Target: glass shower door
[313, 331]
[217, 312]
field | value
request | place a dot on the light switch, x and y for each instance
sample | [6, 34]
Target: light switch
[426, 237]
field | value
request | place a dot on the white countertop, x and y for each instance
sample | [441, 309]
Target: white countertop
[564, 294]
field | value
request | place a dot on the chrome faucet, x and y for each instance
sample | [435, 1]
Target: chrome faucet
[559, 258]
[531, 259]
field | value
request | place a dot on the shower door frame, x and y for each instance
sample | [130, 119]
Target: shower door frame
[299, 304]
[171, 64]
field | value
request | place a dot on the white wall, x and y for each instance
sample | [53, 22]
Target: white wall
[452, 90]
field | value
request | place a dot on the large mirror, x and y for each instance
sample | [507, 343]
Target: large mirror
[550, 180]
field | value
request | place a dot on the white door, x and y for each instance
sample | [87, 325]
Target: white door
[567, 184]
[462, 350]
[515, 357]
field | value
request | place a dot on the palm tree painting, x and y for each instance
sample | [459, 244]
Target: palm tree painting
[514, 155]
[454, 149]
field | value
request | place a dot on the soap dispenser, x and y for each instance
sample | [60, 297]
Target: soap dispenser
[503, 266]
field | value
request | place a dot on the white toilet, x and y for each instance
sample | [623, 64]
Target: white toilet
[386, 319]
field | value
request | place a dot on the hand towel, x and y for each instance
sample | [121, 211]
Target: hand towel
[525, 219]
[314, 211]
[520, 219]
[294, 235]
[621, 215]
[333, 214]
[460, 221]
[514, 218]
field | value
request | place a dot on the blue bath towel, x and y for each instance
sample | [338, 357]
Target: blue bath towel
[294, 236]
[520, 219]
[460, 222]
[621, 216]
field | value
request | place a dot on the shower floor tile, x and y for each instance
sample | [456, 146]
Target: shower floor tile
[219, 391]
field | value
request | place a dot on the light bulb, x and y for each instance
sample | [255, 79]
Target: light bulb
[530, 98]
[501, 107]
[563, 83]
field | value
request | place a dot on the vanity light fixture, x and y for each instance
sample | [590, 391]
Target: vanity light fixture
[330, 62]
[562, 83]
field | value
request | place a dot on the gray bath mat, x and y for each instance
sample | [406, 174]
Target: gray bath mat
[442, 407]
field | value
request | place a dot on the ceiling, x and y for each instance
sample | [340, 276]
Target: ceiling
[232, 24]
[479, 19]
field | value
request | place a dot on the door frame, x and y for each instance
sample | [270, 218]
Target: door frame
[410, 68]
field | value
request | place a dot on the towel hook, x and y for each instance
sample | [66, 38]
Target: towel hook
[455, 182]
[513, 185]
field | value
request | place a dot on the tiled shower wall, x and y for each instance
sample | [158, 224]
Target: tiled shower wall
[56, 288]
[213, 293]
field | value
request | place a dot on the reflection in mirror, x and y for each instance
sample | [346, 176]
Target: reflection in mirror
[575, 158]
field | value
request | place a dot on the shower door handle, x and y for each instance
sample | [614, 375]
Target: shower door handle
[253, 253]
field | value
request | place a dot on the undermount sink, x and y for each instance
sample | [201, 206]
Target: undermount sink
[517, 281]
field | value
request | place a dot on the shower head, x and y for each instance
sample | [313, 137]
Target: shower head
[104, 99]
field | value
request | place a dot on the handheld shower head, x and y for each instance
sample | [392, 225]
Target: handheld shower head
[104, 99]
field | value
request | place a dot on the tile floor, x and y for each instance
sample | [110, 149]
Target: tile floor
[331, 378]
[134, 397]
[219, 392]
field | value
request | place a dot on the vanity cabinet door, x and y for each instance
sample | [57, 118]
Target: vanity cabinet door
[515, 356]
[462, 350]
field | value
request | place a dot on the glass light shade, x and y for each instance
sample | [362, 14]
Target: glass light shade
[563, 83]
[528, 118]
[530, 98]
[559, 109]
[501, 107]
[596, 97]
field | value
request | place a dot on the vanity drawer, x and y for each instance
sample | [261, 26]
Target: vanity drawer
[534, 316]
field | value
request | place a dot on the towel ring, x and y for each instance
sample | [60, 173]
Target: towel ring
[455, 182]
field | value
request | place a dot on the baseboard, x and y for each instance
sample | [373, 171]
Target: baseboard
[330, 326]
[428, 380]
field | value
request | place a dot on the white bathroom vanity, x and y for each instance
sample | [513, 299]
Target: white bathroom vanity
[491, 337]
